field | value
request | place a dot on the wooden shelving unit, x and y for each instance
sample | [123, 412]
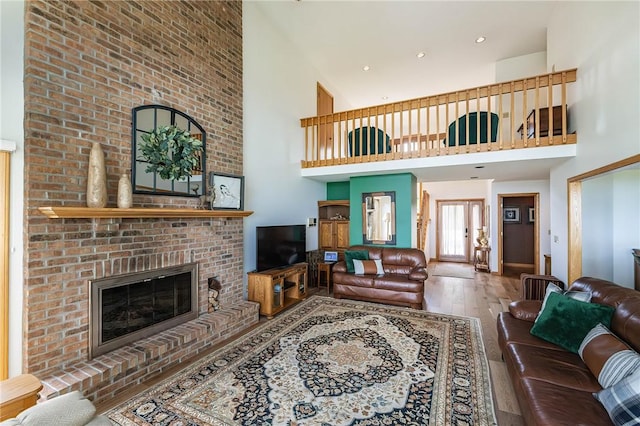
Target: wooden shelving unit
[63, 212]
[333, 233]
[279, 288]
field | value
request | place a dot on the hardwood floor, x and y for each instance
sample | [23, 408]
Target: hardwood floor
[483, 297]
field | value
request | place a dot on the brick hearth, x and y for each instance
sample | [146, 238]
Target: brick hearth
[87, 64]
[102, 377]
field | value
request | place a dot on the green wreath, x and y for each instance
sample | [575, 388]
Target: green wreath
[171, 152]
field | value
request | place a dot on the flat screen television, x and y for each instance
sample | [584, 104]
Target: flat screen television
[279, 246]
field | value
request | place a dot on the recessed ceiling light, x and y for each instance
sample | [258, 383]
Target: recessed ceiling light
[384, 98]
[366, 68]
[421, 54]
[480, 39]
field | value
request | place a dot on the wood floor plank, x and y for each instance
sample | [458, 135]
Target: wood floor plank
[483, 297]
[505, 395]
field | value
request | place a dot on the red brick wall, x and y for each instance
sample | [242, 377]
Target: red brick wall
[87, 64]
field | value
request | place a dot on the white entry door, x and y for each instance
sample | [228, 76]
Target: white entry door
[458, 224]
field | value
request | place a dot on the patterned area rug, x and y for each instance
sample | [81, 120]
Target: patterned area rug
[331, 362]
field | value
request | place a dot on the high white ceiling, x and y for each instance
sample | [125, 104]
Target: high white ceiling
[340, 37]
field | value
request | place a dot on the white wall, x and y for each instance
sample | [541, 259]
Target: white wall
[601, 39]
[521, 66]
[11, 118]
[279, 89]
[458, 190]
[610, 225]
[534, 186]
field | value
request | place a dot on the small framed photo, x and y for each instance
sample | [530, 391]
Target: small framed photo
[511, 214]
[227, 191]
[532, 214]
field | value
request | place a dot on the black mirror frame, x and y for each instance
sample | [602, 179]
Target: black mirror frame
[202, 190]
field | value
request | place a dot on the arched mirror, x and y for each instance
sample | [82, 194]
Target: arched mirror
[379, 217]
[146, 119]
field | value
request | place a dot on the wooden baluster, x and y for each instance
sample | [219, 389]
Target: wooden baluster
[418, 148]
[361, 137]
[438, 123]
[537, 109]
[467, 130]
[550, 104]
[500, 114]
[427, 129]
[513, 124]
[306, 143]
[489, 129]
[393, 124]
[354, 141]
[316, 144]
[525, 128]
[457, 124]
[478, 119]
[384, 124]
[564, 107]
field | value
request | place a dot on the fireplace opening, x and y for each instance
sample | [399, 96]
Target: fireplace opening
[130, 307]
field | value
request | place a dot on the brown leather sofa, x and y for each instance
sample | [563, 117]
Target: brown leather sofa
[405, 271]
[553, 386]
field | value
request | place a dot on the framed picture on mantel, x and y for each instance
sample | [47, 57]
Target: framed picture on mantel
[227, 191]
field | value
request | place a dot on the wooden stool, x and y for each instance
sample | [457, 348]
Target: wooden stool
[324, 267]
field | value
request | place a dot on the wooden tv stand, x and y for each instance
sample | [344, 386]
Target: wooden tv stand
[278, 288]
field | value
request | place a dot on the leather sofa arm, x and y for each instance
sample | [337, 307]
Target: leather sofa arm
[340, 266]
[526, 310]
[418, 274]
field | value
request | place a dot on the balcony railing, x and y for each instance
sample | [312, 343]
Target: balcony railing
[510, 115]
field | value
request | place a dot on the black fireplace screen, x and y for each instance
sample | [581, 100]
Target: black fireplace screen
[134, 306]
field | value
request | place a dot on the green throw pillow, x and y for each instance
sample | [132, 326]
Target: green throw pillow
[354, 254]
[566, 321]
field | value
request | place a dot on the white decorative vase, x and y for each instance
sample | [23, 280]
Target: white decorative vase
[97, 179]
[125, 193]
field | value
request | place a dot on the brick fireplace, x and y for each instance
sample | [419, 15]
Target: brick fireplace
[87, 64]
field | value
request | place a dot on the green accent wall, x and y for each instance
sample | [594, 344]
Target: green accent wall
[405, 186]
[338, 190]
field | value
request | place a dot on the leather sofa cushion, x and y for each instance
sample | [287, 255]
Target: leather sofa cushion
[514, 330]
[551, 405]
[397, 283]
[347, 279]
[560, 368]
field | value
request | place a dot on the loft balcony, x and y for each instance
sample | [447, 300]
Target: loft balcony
[498, 123]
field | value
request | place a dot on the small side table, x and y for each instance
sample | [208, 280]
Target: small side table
[324, 268]
[17, 394]
[481, 258]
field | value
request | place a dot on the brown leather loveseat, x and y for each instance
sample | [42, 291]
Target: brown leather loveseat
[554, 386]
[405, 271]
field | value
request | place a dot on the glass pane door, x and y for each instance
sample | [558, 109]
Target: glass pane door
[453, 231]
[458, 224]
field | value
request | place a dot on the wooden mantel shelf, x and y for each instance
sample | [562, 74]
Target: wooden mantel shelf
[63, 212]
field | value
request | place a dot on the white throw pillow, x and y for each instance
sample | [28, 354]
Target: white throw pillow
[369, 267]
